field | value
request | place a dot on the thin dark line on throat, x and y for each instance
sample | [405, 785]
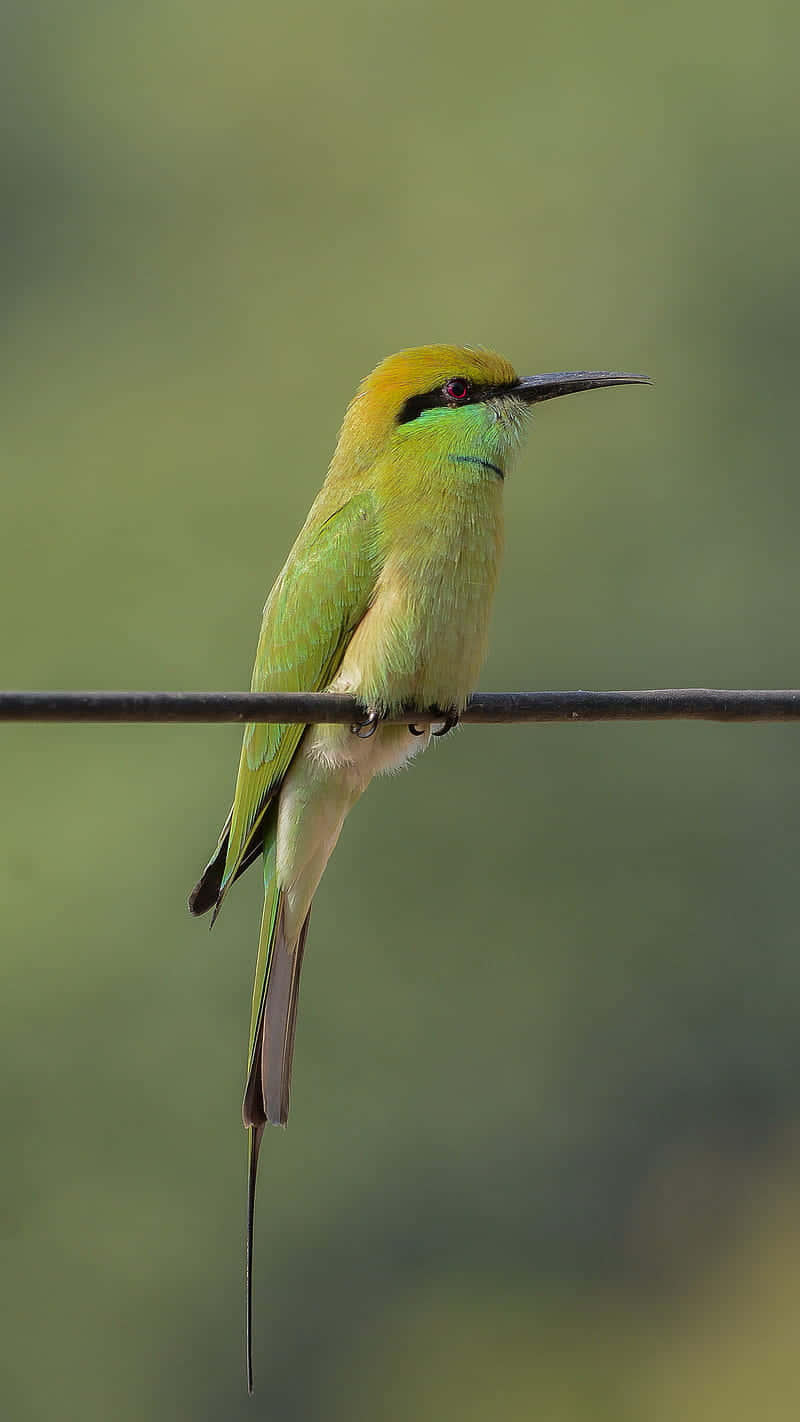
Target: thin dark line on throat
[473, 459]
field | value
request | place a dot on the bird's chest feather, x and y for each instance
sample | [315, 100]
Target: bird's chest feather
[424, 637]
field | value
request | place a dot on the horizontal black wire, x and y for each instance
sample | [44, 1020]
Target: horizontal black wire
[681, 703]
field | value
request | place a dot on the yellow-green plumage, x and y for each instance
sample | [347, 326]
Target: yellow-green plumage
[386, 594]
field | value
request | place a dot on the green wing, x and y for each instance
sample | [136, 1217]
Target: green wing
[317, 602]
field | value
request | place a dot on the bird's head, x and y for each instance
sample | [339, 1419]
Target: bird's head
[441, 401]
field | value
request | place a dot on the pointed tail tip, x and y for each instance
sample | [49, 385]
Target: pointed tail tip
[199, 901]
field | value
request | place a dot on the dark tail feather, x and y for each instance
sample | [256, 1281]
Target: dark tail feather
[206, 893]
[254, 1146]
[266, 1097]
[280, 1018]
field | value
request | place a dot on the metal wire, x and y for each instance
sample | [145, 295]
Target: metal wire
[670, 704]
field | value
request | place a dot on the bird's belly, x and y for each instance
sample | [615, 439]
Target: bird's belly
[355, 759]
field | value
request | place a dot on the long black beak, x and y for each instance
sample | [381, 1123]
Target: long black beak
[533, 388]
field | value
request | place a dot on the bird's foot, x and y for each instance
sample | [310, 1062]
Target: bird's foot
[450, 719]
[366, 728]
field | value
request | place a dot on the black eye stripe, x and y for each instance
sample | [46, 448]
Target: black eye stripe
[437, 398]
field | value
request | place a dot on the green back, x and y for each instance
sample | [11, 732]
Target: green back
[318, 600]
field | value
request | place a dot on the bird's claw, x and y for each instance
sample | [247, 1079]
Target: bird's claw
[450, 719]
[366, 728]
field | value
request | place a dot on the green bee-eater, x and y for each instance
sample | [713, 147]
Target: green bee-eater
[385, 595]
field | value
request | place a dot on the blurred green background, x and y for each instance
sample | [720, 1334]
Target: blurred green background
[215, 220]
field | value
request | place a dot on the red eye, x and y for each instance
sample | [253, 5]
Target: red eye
[456, 390]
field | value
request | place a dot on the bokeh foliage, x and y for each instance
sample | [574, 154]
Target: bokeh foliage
[542, 1157]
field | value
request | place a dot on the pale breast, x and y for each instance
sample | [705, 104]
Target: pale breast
[424, 637]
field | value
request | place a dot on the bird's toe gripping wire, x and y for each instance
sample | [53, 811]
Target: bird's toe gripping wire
[366, 728]
[450, 720]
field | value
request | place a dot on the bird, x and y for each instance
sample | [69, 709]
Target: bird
[385, 596]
